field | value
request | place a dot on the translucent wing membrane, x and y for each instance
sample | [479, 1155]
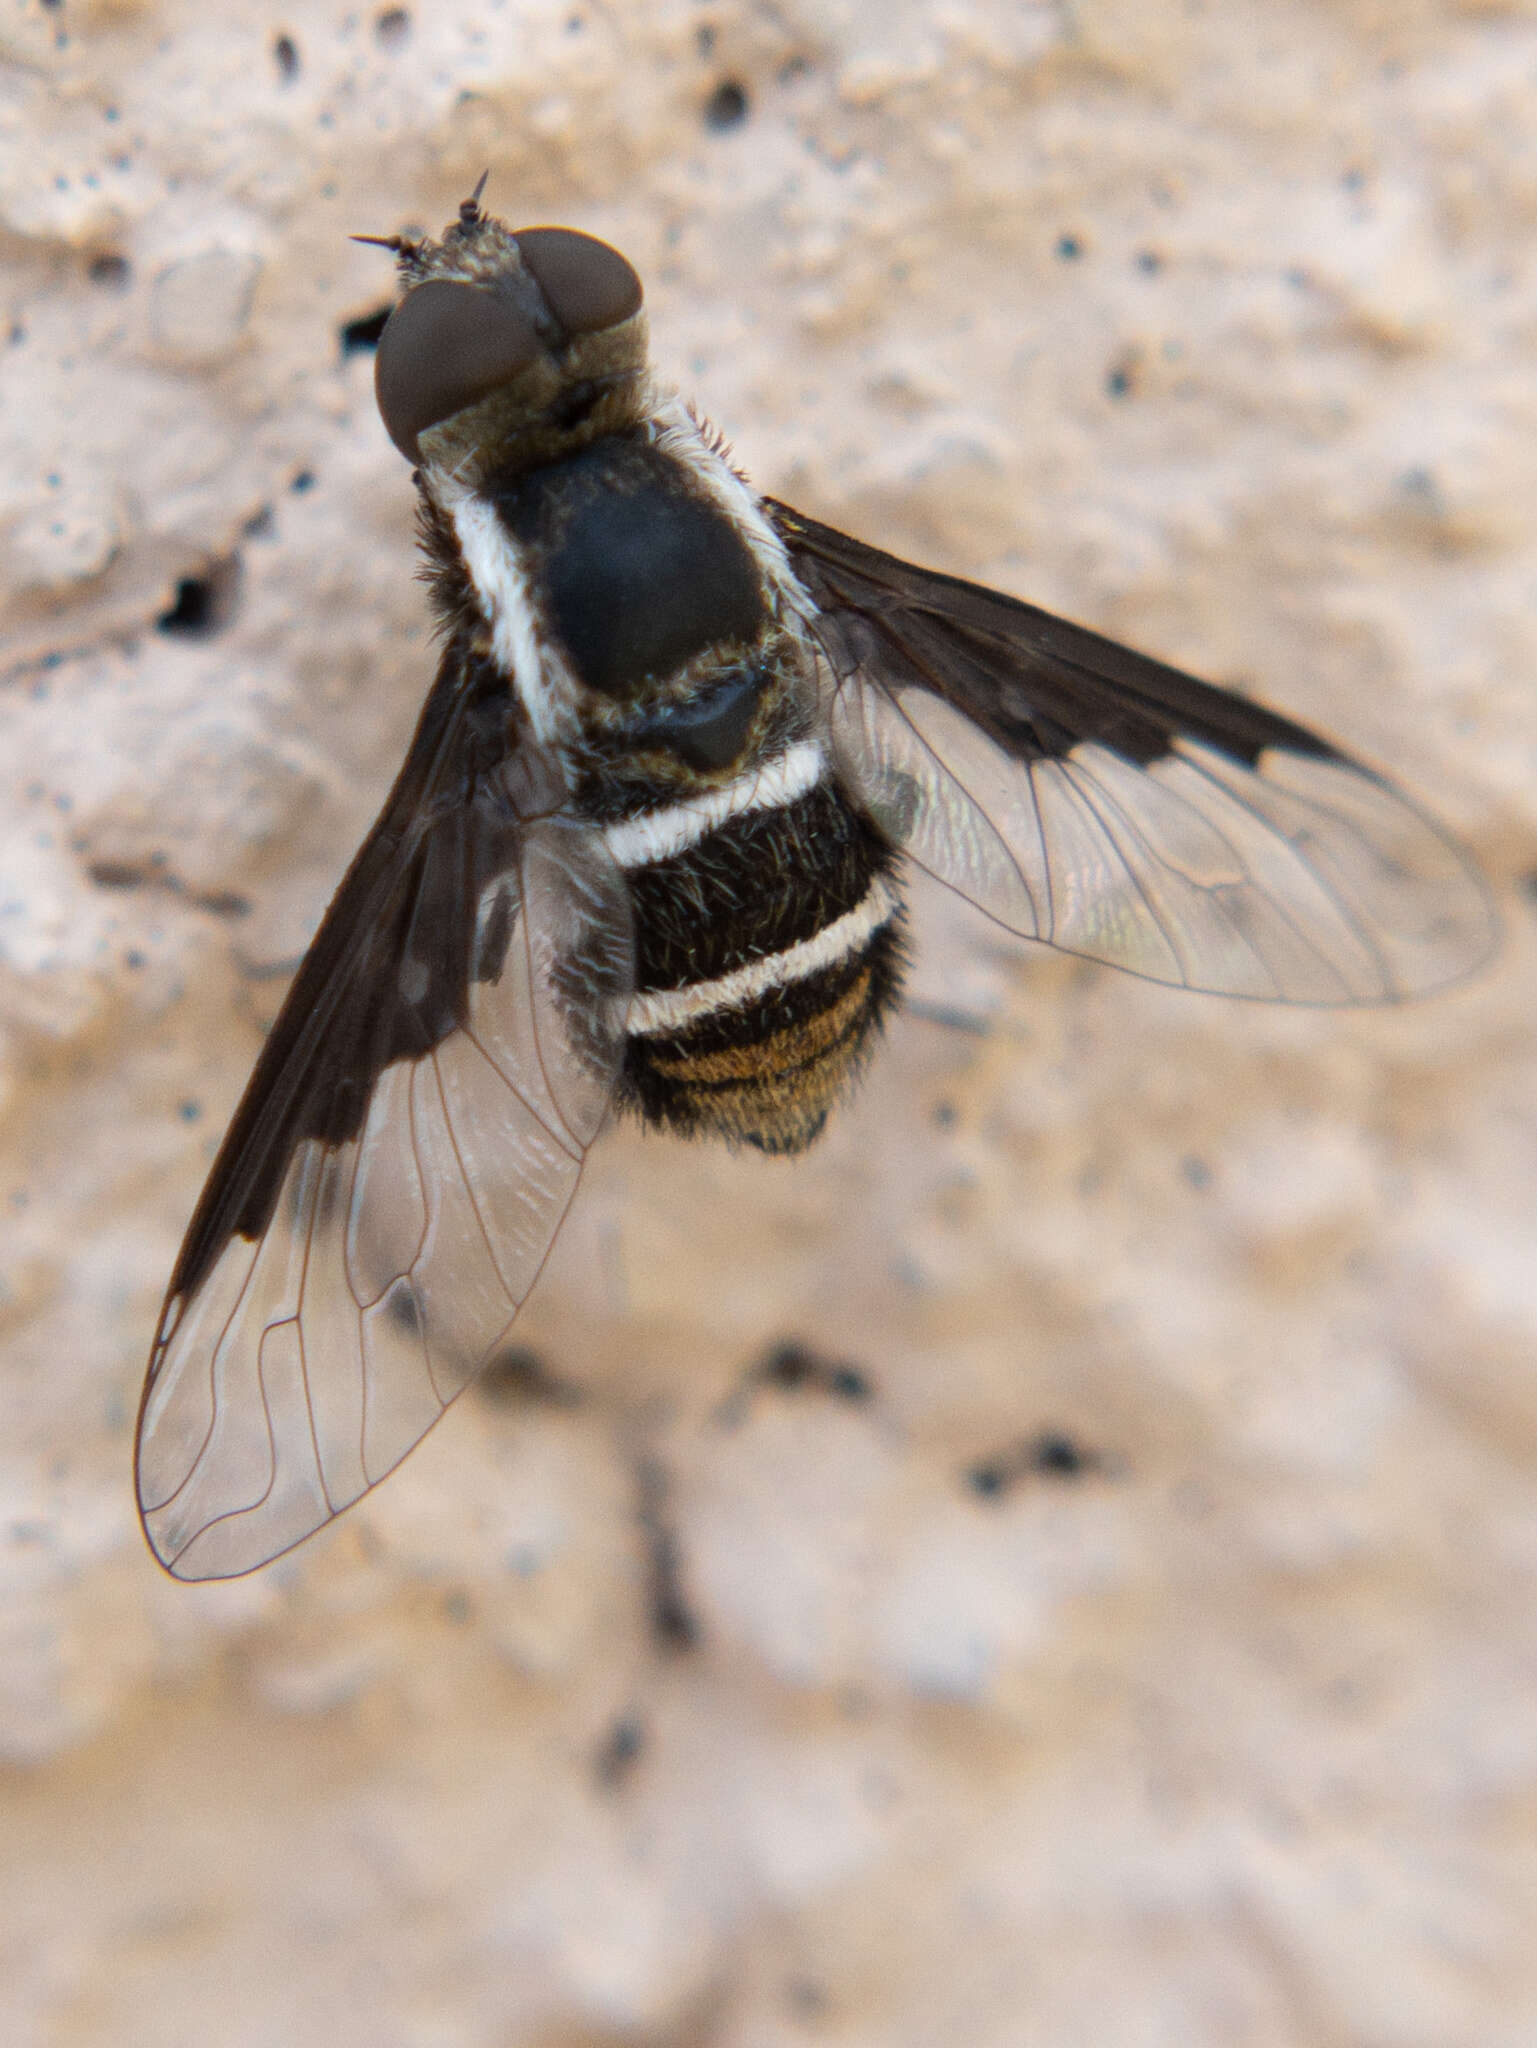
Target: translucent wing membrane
[393, 1181]
[1086, 796]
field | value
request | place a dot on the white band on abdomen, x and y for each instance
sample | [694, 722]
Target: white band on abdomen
[656, 835]
[670, 1009]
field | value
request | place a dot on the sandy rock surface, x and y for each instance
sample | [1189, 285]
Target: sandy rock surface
[1116, 1621]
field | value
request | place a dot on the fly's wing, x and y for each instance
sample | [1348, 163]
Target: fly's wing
[401, 1160]
[1092, 798]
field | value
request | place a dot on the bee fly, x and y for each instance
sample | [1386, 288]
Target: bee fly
[647, 849]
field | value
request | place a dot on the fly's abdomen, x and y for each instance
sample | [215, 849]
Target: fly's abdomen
[768, 952]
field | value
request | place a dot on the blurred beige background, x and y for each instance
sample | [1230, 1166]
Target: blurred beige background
[1116, 1626]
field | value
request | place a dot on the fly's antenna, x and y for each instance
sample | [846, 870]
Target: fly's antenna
[409, 247]
[469, 209]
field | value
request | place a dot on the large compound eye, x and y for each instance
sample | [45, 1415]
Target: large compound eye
[445, 346]
[586, 284]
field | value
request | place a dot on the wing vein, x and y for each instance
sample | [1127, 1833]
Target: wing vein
[1087, 788]
[535, 1030]
[434, 1224]
[561, 1138]
[1360, 931]
[469, 1185]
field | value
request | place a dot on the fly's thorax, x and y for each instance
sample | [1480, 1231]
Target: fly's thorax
[631, 608]
[636, 618]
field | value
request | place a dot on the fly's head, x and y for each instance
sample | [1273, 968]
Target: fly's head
[510, 348]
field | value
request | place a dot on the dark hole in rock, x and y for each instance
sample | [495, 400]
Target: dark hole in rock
[361, 336]
[111, 270]
[203, 604]
[726, 107]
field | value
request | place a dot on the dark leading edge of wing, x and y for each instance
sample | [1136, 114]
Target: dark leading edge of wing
[410, 896]
[1035, 684]
[1090, 797]
[401, 1161]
